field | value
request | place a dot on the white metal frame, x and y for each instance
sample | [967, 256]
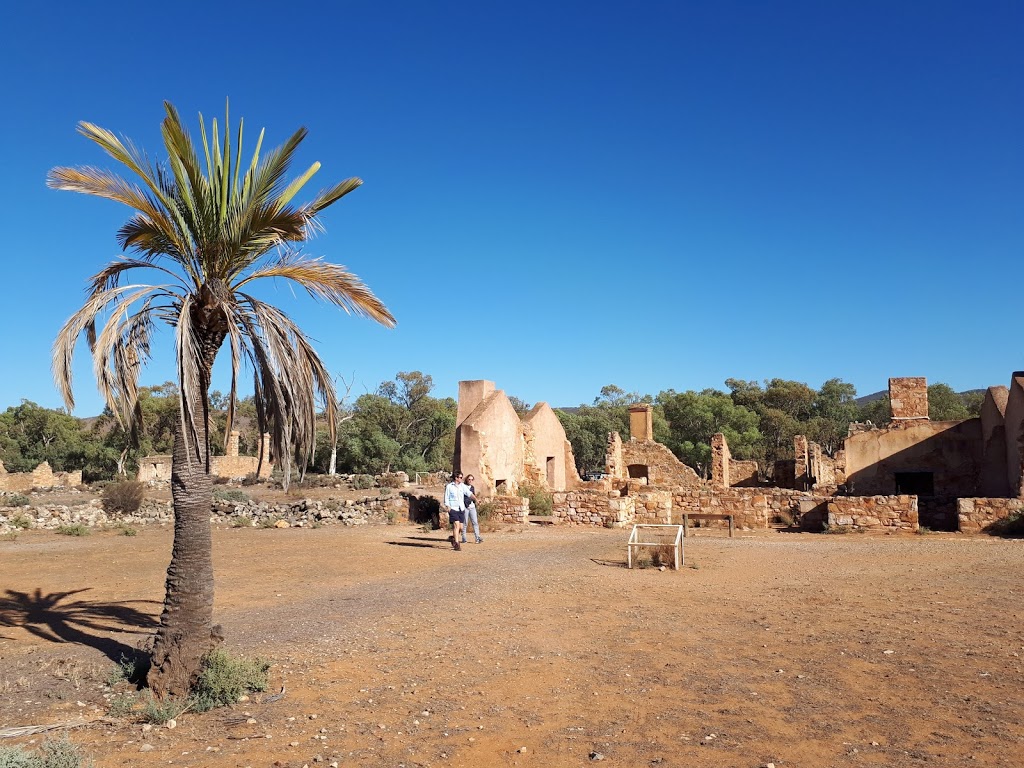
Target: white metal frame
[677, 543]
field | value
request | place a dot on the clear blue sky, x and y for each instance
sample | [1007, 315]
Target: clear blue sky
[563, 195]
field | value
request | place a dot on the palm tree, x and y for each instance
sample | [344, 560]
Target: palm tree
[207, 231]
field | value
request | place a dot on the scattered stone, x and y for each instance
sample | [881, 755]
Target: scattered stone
[282, 524]
[172, 724]
[522, 750]
[147, 728]
[597, 755]
[251, 721]
[293, 744]
[146, 748]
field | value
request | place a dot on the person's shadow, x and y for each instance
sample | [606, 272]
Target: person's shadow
[58, 618]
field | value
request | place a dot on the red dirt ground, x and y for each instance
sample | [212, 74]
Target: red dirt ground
[539, 648]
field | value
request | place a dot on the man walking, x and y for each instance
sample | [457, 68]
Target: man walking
[454, 499]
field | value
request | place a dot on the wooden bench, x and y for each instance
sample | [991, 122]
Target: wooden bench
[687, 516]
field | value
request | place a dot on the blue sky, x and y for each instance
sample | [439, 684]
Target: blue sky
[563, 195]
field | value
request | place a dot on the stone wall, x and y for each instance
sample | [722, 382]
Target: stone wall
[721, 458]
[975, 515]
[657, 463]
[509, 509]
[751, 508]
[908, 397]
[801, 466]
[40, 477]
[878, 513]
[743, 474]
[608, 509]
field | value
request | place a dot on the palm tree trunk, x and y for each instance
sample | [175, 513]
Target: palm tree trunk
[186, 632]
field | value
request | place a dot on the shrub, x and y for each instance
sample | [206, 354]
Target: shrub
[127, 530]
[362, 482]
[221, 480]
[225, 678]
[269, 522]
[159, 712]
[54, 753]
[252, 479]
[241, 522]
[73, 530]
[541, 500]
[21, 521]
[125, 496]
[122, 705]
[15, 500]
[394, 480]
[230, 494]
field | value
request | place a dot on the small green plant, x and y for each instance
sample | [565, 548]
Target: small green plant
[126, 670]
[125, 496]
[241, 522]
[428, 527]
[541, 500]
[16, 757]
[362, 482]
[391, 516]
[230, 494]
[21, 521]
[127, 530]
[54, 753]
[9, 536]
[225, 678]
[15, 500]
[269, 522]
[123, 704]
[159, 712]
[73, 530]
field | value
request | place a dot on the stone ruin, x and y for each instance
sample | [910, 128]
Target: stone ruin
[40, 477]
[157, 469]
[945, 475]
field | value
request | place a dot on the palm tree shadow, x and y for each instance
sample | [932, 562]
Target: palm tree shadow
[58, 619]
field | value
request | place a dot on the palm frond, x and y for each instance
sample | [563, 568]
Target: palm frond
[326, 282]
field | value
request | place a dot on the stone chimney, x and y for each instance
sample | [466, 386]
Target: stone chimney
[471, 394]
[641, 424]
[908, 398]
[232, 448]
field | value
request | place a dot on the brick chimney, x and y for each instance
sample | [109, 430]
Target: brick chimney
[641, 424]
[908, 398]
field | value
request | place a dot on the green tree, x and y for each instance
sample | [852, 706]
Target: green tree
[206, 232]
[834, 407]
[400, 426]
[31, 434]
[946, 405]
[693, 417]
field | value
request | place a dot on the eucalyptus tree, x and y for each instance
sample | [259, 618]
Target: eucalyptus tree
[206, 228]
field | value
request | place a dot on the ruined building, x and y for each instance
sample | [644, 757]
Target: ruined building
[231, 465]
[503, 451]
[914, 472]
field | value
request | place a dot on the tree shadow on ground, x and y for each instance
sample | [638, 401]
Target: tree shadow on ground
[57, 618]
[415, 542]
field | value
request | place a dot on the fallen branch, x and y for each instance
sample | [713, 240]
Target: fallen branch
[29, 730]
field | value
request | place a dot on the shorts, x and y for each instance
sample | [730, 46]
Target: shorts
[457, 516]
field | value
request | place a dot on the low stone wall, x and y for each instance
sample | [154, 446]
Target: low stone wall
[89, 513]
[302, 513]
[598, 507]
[752, 508]
[879, 513]
[509, 509]
[975, 515]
